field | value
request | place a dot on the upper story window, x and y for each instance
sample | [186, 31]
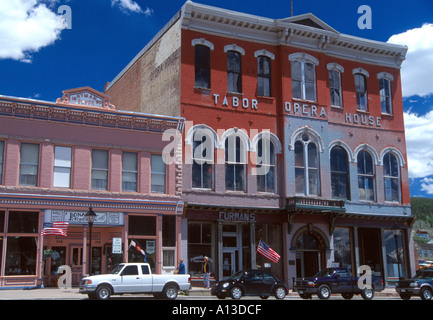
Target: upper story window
[340, 182]
[202, 72]
[99, 180]
[29, 164]
[385, 92]
[335, 71]
[234, 68]
[235, 163]
[266, 166]
[307, 177]
[203, 159]
[391, 175]
[361, 76]
[303, 76]
[264, 83]
[158, 171]
[62, 167]
[129, 171]
[366, 176]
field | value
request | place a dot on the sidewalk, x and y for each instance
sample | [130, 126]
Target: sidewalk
[73, 294]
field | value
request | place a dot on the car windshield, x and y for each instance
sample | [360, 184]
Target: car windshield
[423, 274]
[236, 276]
[325, 273]
[117, 269]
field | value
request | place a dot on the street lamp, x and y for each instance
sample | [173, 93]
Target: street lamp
[90, 217]
[396, 232]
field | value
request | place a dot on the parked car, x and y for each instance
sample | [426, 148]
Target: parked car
[134, 278]
[250, 283]
[420, 285]
[335, 280]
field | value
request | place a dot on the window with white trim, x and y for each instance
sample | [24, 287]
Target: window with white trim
[385, 92]
[307, 178]
[266, 169]
[303, 76]
[234, 72]
[391, 176]
[99, 169]
[203, 159]
[157, 174]
[235, 163]
[340, 182]
[366, 176]
[29, 164]
[129, 171]
[62, 167]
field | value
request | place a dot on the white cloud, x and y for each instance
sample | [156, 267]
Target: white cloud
[427, 185]
[131, 6]
[417, 69]
[25, 27]
[419, 143]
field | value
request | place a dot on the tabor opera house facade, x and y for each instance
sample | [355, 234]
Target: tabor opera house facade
[327, 106]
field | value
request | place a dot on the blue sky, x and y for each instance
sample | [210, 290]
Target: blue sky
[40, 57]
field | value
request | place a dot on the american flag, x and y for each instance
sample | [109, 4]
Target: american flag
[58, 228]
[266, 251]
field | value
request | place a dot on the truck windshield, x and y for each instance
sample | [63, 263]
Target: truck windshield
[325, 273]
[423, 274]
[117, 269]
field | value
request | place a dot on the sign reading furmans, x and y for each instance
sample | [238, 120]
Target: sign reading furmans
[237, 216]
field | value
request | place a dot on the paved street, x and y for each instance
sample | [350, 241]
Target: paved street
[195, 294]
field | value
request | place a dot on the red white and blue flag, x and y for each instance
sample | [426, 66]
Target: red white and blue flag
[267, 252]
[58, 228]
[137, 248]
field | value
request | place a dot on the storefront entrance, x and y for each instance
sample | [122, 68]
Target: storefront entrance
[310, 251]
[232, 247]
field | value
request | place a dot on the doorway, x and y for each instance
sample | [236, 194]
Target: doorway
[310, 252]
[76, 263]
[370, 248]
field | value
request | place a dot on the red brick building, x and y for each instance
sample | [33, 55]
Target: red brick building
[325, 107]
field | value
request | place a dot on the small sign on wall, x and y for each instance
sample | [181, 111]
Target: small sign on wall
[117, 245]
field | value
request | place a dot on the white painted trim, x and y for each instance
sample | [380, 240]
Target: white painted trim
[234, 47]
[265, 53]
[203, 42]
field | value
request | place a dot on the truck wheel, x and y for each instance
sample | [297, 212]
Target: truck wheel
[103, 293]
[170, 291]
[426, 294]
[324, 292]
[236, 293]
[367, 293]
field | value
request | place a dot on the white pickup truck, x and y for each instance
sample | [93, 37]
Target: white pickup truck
[134, 278]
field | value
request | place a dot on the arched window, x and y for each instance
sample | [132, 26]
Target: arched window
[235, 162]
[306, 165]
[266, 165]
[365, 176]
[203, 159]
[303, 76]
[391, 174]
[339, 173]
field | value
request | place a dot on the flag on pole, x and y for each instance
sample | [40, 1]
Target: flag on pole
[59, 228]
[267, 252]
[135, 246]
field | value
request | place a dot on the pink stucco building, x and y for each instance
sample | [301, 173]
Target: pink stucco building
[59, 159]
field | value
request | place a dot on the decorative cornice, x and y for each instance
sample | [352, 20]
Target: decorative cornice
[290, 31]
[21, 108]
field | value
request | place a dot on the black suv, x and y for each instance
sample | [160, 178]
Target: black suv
[420, 285]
